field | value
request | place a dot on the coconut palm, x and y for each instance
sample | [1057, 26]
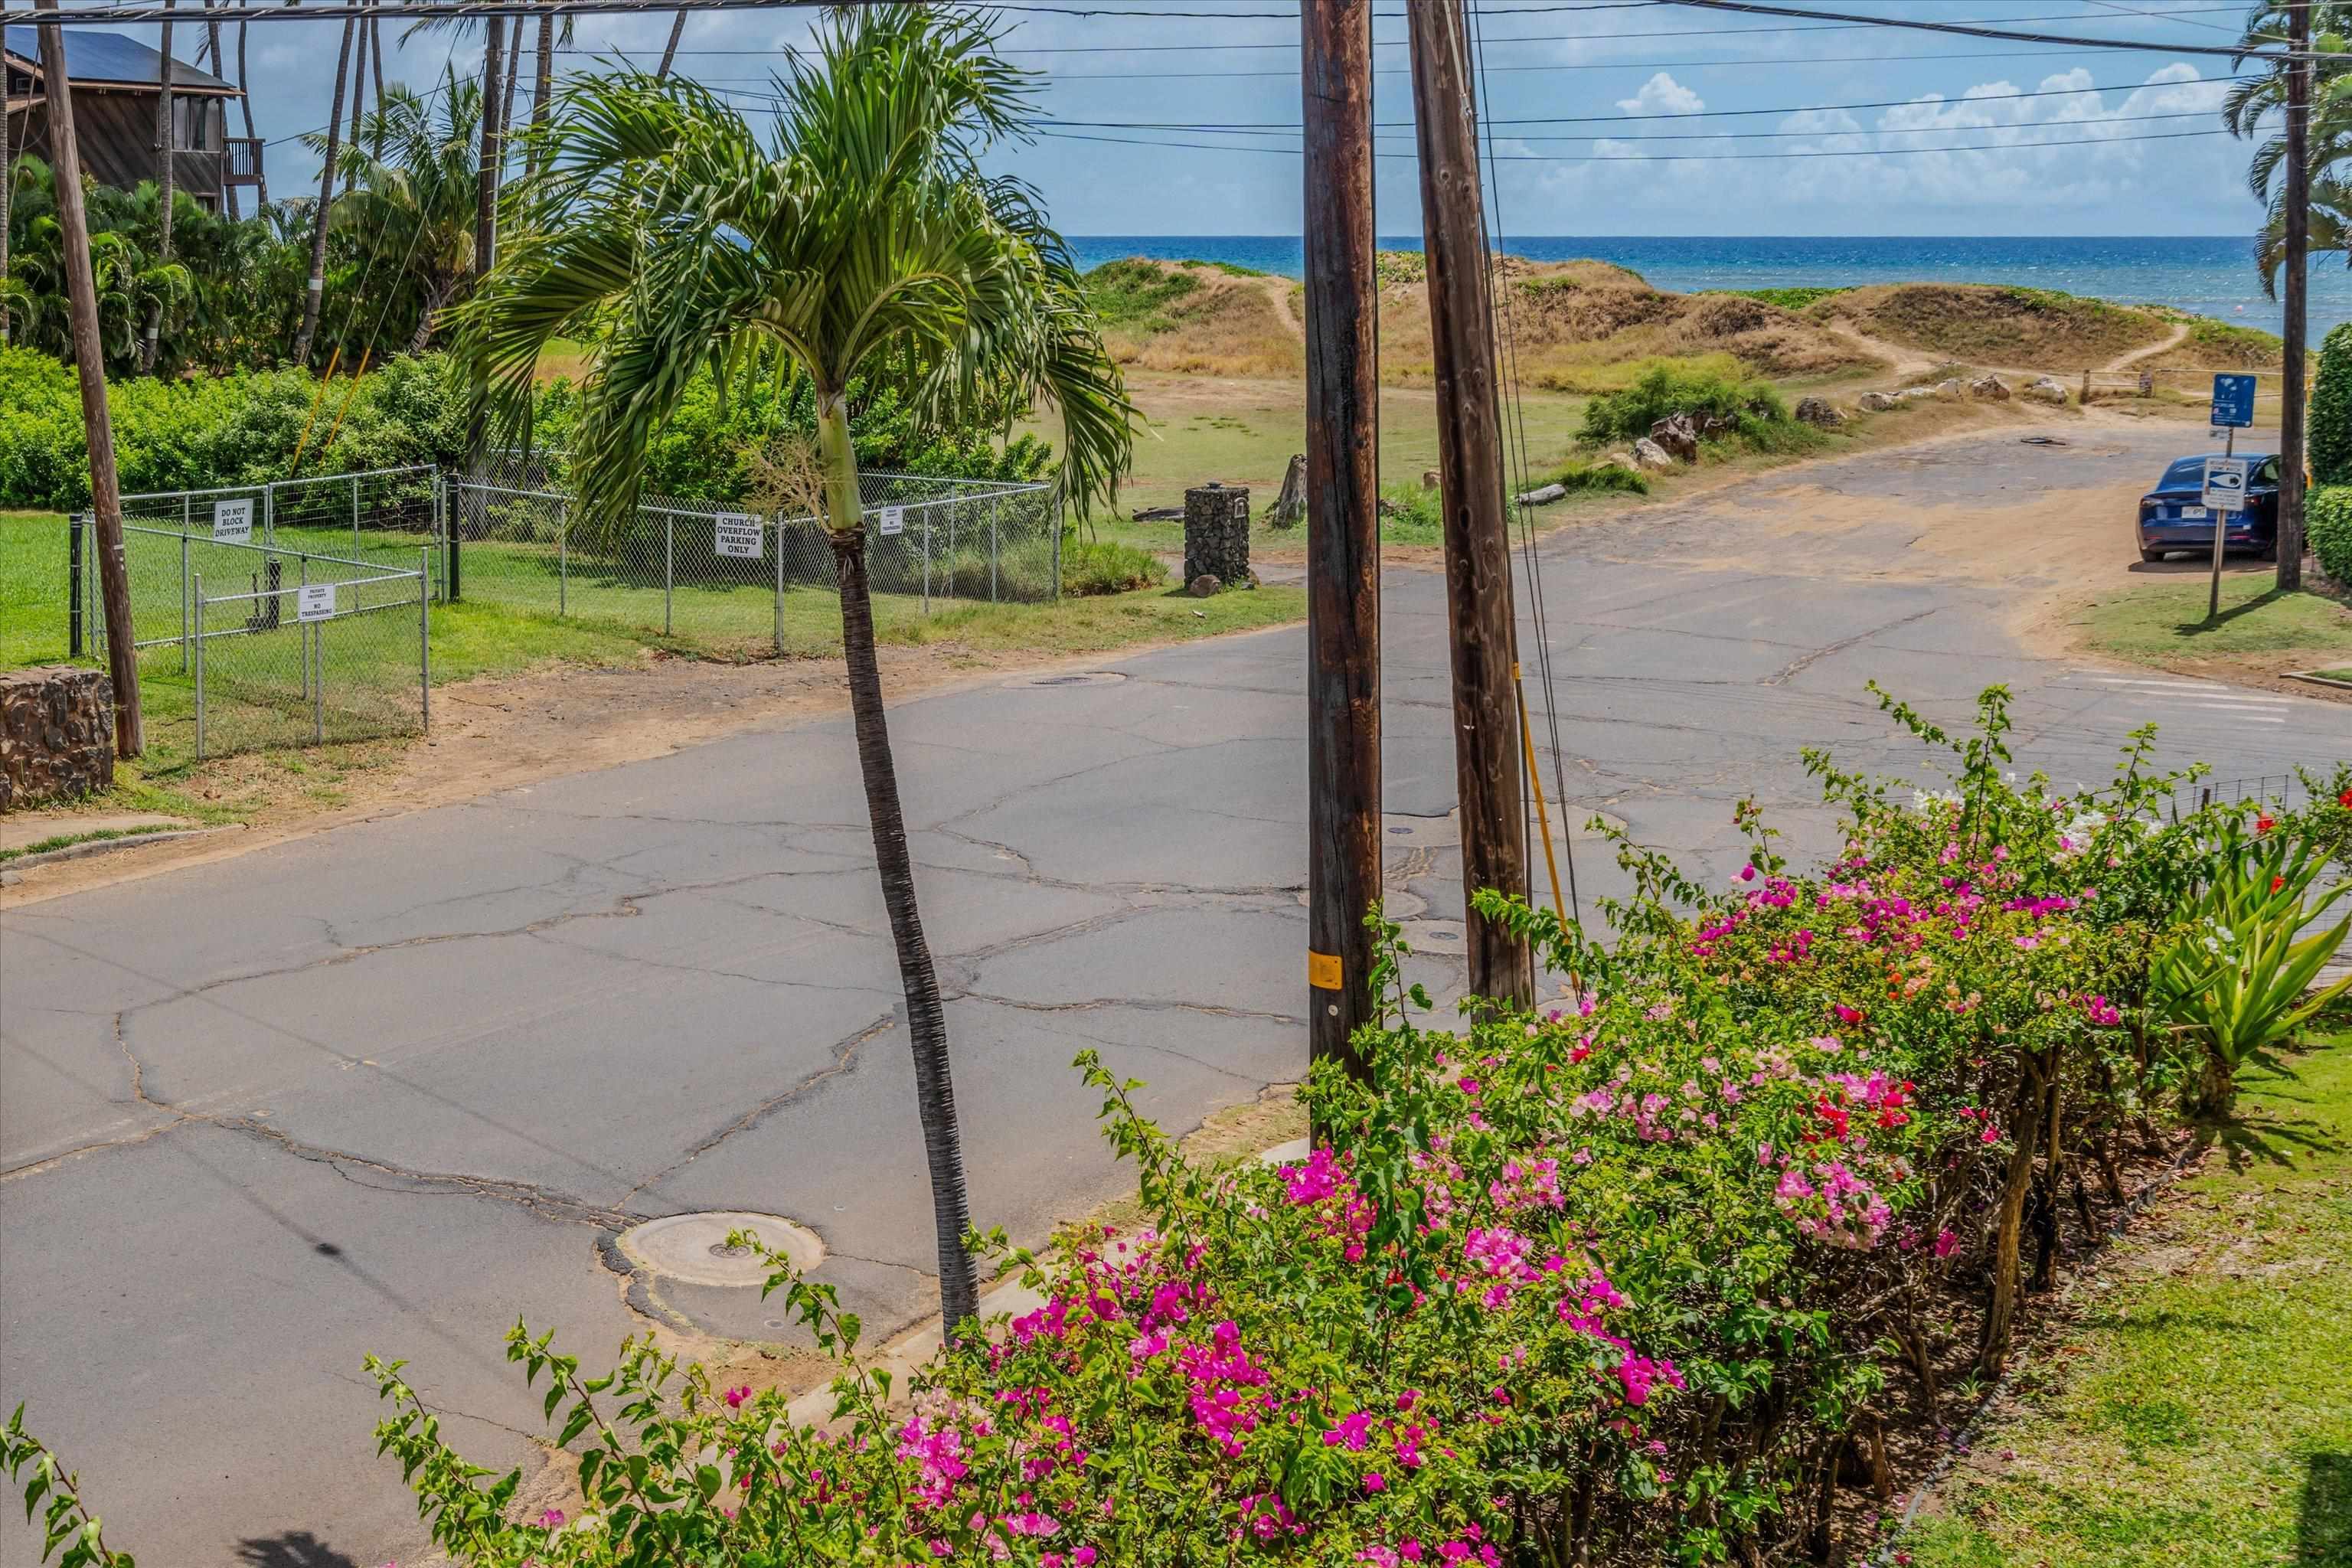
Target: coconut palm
[412, 176]
[2256, 105]
[860, 236]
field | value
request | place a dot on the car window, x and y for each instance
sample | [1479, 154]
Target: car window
[2184, 471]
[2268, 473]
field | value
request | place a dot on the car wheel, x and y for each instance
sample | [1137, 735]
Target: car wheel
[2268, 550]
[2151, 555]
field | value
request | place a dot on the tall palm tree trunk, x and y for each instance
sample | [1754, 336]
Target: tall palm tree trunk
[317, 286]
[8, 196]
[507, 96]
[376, 65]
[359, 96]
[927, 1027]
[220, 69]
[669, 51]
[542, 86]
[261, 170]
[165, 144]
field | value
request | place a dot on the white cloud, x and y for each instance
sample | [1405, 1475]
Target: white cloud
[1662, 94]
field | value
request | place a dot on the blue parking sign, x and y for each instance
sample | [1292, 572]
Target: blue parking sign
[2233, 401]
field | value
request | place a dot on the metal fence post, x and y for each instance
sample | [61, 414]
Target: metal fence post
[301, 631]
[200, 666]
[454, 562]
[926, 560]
[269, 515]
[318, 682]
[185, 571]
[1057, 549]
[992, 549]
[563, 557]
[425, 638]
[779, 524]
[73, 527]
[669, 563]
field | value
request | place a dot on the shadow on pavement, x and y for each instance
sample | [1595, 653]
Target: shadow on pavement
[295, 1549]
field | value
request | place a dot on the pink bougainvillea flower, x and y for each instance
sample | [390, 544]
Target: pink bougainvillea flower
[736, 1396]
[1947, 1243]
[1375, 1482]
[552, 1518]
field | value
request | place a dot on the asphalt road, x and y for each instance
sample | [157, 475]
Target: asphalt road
[384, 1089]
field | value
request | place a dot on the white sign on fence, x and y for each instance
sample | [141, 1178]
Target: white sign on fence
[315, 601]
[233, 521]
[894, 520]
[2225, 483]
[739, 534]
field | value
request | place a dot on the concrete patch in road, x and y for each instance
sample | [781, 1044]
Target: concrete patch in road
[693, 1250]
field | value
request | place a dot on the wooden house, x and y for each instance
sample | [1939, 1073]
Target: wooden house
[115, 82]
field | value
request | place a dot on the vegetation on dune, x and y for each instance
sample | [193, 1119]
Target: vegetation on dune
[1996, 324]
[1666, 388]
[1792, 299]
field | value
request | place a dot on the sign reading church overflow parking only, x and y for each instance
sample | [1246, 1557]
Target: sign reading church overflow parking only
[740, 535]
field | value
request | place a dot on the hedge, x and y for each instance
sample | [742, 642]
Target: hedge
[2331, 410]
[2328, 525]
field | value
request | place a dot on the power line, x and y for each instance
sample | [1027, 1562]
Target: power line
[1236, 130]
[1977, 30]
[1405, 71]
[1684, 157]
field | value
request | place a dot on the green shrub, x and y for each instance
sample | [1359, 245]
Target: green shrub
[1412, 514]
[1135, 293]
[2331, 410]
[1667, 388]
[1600, 477]
[1787, 299]
[2328, 525]
[1098, 566]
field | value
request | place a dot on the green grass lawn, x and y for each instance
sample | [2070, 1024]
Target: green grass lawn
[2163, 617]
[2202, 1414]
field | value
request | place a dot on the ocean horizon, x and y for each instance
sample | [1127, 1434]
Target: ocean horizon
[2208, 275]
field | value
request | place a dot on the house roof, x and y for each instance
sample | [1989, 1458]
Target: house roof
[93, 57]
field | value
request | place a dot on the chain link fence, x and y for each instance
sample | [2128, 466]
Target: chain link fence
[736, 577]
[384, 515]
[242, 645]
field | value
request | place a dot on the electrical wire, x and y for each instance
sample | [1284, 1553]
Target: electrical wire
[1681, 157]
[1270, 129]
[1977, 30]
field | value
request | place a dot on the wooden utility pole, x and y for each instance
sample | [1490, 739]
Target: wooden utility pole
[1478, 609]
[89, 364]
[2297, 325]
[486, 255]
[1343, 531]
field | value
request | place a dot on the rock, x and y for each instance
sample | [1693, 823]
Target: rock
[1428, 477]
[1991, 388]
[1204, 586]
[2046, 389]
[1677, 435]
[1950, 388]
[1915, 394]
[1817, 411]
[1648, 454]
[1875, 402]
[57, 734]
[1622, 459]
[1541, 494]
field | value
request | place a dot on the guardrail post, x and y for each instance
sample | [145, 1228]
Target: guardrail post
[75, 525]
[669, 563]
[199, 592]
[425, 638]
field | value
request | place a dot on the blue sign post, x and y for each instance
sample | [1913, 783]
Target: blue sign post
[2233, 402]
[2233, 410]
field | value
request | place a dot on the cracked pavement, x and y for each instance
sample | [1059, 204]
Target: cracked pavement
[389, 1087]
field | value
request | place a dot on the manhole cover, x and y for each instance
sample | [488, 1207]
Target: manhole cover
[1069, 678]
[1435, 936]
[692, 1248]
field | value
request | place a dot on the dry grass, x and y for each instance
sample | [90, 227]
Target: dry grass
[2003, 326]
[1223, 325]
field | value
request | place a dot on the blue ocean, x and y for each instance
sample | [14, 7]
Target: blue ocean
[2211, 275]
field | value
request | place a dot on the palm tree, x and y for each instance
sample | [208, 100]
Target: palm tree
[315, 291]
[411, 184]
[2257, 102]
[862, 236]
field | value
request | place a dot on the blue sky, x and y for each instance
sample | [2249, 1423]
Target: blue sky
[2111, 160]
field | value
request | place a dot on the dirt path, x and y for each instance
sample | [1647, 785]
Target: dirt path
[1902, 363]
[1277, 294]
[2180, 335]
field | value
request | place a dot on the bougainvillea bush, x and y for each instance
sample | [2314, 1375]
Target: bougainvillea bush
[1638, 1276]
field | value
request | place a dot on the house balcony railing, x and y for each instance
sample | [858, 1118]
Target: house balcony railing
[241, 159]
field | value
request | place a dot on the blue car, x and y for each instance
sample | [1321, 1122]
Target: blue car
[2174, 516]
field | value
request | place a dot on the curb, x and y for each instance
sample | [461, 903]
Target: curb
[2313, 678]
[102, 846]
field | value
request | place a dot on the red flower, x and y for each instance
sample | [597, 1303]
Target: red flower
[2277, 883]
[2263, 824]
[2345, 800]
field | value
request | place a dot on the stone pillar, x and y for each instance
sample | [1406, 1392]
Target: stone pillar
[1216, 536]
[57, 734]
